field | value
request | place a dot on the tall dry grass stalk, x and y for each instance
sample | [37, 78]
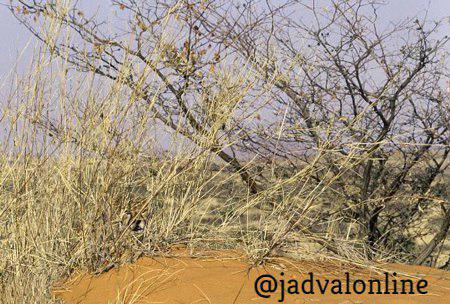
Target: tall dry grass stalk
[78, 155]
[94, 174]
[77, 159]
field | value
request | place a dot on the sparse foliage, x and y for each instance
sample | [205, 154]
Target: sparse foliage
[286, 126]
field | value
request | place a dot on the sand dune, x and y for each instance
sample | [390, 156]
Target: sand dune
[225, 277]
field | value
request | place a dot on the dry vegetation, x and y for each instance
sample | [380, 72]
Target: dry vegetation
[209, 137]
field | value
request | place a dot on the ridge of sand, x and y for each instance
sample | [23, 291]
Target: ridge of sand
[224, 277]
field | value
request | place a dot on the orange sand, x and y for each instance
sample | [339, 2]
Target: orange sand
[228, 279]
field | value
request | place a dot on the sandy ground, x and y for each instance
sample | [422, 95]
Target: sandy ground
[224, 278]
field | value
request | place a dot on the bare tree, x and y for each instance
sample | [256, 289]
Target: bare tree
[337, 78]
[169, 59]
[343, 78]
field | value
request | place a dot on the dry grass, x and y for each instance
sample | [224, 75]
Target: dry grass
[76, 160]
[79, 155]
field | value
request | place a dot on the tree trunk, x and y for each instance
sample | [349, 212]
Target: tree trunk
[438, 238]
[243, 172]
[373, 232]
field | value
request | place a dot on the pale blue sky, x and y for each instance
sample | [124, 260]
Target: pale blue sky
[15, 38]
